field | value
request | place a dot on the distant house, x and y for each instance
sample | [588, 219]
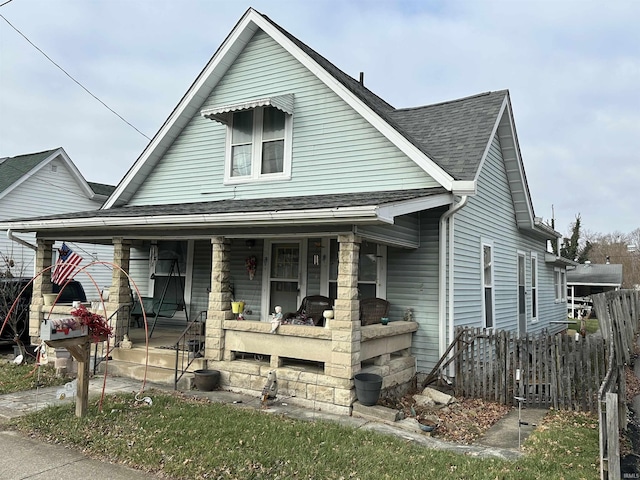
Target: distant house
[589, 279]
[48, 183]
[279, 177]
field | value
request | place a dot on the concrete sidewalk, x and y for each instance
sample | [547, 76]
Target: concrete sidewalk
[27, 458]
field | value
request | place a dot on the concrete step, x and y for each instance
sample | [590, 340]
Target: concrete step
[154, 374]
[158, 357]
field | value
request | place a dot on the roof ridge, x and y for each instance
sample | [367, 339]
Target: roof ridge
[50, 150]
[448, 102]
[324, 62]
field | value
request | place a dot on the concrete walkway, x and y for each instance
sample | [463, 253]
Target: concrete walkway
[27, 458]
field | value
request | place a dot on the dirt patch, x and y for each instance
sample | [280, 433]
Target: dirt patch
[462, 421]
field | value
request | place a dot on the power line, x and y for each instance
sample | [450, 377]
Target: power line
[2, 5]
[68, 75]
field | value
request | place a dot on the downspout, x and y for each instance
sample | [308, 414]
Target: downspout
[442, 275]
[11, 236]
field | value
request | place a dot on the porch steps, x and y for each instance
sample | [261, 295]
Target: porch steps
[160, 369]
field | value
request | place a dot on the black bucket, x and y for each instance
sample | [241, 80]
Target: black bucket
[368, 386]
[206, 380]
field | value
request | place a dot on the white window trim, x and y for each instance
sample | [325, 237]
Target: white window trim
[534, 298]
[487, 243]
[560, 284]
[256, 153]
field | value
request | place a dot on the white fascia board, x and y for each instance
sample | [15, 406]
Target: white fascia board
[388, 212]
[592, 284]
[422, 160]
[205, 82]
[284, 217]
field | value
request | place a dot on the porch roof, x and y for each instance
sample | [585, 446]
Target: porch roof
[361, 207]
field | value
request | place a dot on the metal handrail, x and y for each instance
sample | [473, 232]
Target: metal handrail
[117, 336]
[189, 346]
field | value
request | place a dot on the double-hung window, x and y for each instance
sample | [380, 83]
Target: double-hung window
[487, 283]
[259, 139]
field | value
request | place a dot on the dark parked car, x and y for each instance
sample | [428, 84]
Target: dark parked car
[17, 325]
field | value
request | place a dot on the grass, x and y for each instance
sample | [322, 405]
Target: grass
[183, 437]
[592, 325]
[18, 378]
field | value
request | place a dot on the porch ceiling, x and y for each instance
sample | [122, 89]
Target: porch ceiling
[338, 209]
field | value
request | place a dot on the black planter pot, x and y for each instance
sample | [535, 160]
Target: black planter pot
[206, 380]
[368, 387]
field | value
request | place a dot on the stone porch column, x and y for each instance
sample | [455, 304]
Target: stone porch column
[120, 291]
[219, 308]
[41, 284]
[345, 327]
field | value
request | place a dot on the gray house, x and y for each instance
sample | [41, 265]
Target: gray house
[278, 177]
[589, 279]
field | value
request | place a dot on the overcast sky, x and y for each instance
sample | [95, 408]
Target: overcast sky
[572, 67]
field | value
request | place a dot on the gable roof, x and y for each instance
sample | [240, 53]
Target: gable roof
[16, 170]
[596, 274]
[454, 133]
[371, 107]
[449, 141]
[13, 169]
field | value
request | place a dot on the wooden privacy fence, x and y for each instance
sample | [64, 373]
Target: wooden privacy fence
[618, 313]
[557, 371]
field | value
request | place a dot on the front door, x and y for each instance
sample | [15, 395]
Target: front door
[522, 304]
[284, 278]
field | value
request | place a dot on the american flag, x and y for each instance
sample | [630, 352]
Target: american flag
[66, 265]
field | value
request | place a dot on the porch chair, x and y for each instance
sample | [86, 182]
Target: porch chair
[372, 310]
[312, 307]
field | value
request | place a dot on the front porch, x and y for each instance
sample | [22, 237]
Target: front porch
[315, 365]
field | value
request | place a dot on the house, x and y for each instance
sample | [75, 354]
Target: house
[278, 177]
[48, 183]
[589, 279]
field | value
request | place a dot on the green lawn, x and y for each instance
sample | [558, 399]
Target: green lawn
[17, 378]
[592, 325]
[183, 437]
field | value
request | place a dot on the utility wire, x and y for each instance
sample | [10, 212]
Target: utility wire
[2, 5]
[68, 75]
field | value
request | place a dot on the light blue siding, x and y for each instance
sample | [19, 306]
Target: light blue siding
[404, 231]
[334, 149]
[412, 282]
[490, 216]
[201, 278]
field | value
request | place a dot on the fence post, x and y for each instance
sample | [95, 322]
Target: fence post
[613, 437]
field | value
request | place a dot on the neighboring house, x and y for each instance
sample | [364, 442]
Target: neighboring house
[278, 159]
[589, 279]
[49, 183]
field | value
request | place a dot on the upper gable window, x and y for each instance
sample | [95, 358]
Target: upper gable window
[258, 139]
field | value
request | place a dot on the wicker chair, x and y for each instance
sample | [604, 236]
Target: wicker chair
[312, 306]
[372, 310]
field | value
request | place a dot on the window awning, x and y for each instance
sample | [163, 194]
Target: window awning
[222, 113]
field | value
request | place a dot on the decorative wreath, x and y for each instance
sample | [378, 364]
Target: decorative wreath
[252, 265]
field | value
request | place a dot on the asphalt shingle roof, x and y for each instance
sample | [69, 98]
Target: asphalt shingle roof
[13, 169]
[453, 134]
[101, 188]
[257, 205]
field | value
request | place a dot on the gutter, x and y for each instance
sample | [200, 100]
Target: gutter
[442, 274]
[10, 236]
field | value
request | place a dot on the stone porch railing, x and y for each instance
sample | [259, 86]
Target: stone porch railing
[301, 355]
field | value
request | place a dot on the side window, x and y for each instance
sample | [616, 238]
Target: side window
[487, 284]
[534, 287]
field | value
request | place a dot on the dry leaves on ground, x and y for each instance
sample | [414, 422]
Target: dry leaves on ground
[461, 422]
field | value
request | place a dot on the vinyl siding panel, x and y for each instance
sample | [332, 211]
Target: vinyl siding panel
[490, 216]
[330, 140]
[49, 192]
[405, 230]
[412, 282]
[201, 278]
